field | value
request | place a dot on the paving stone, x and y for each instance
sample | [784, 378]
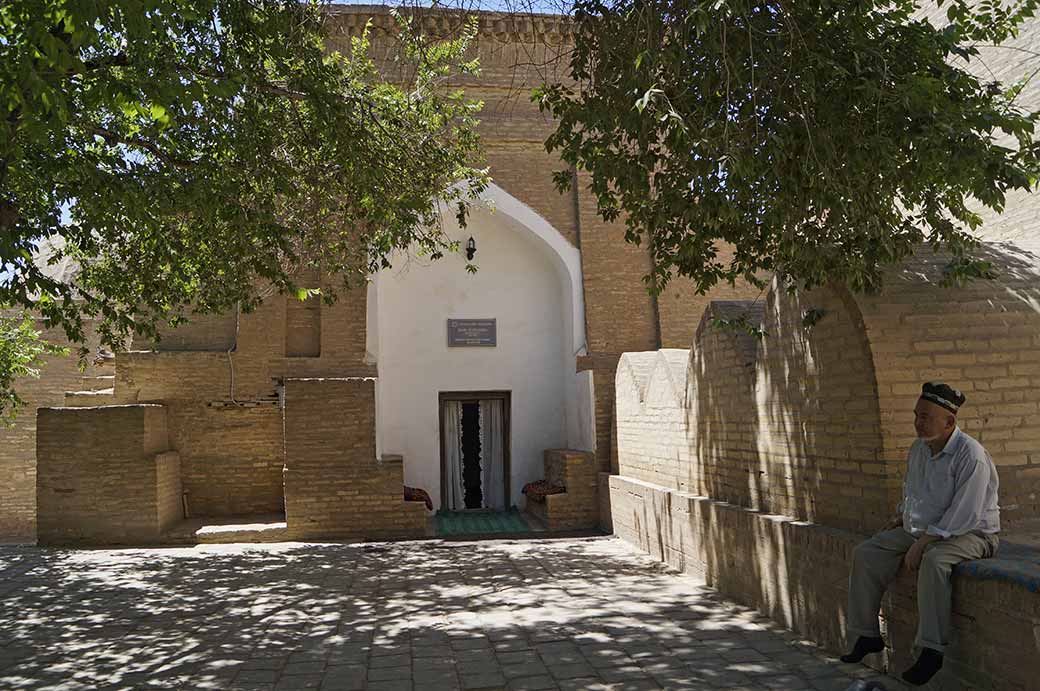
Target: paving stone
[524, 670]
[570, 671]
[390, 661]
[785, 682]
[624, 673]
[524, 657]
[257, 675]
[475, 667]
[540, 683]
[304, 668]
[348, 679]
[268, 663]
[432, 663]
[435, 678]
[436, 651]
[393, 685]
[506, 615]
[831, 683]
[474, 682]
[299, 681]
[388, 673]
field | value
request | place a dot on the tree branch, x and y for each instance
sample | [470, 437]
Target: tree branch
[140, 142]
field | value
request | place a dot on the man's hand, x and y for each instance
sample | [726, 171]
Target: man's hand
[912, 558]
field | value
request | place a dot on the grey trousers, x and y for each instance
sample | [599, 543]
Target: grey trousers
[876, 563]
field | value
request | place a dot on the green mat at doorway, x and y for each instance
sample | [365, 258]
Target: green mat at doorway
[479, 522]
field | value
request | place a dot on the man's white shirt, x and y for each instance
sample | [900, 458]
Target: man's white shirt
[951, 493]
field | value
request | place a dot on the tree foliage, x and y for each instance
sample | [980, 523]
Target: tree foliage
[821, 139]
[21, 355]
[190, 151]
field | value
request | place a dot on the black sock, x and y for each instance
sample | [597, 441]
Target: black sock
[928, 663]
[864, 646]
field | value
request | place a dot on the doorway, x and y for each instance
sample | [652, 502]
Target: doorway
[474, 429]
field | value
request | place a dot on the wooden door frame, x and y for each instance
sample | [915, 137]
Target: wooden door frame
[473, 397]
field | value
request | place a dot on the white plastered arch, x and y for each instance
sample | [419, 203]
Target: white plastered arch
[565, 257]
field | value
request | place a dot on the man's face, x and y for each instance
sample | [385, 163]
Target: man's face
[931, 421]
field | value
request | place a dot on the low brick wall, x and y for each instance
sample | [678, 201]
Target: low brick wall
[105, 475]
[577, 508]
[335, 487]
[18, 442]
[796, 573]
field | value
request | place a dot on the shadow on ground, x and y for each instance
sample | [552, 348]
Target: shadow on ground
[574, 613]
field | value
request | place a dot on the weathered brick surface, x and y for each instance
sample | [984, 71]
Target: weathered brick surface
[680, 306]
[302, 327]
[206, 332]
[797, 573]
[18, 442]
[728, 450]
[105, 475]
[232, 458]
[984, 339]
[784, 424]
[334, 484]
[578, 507]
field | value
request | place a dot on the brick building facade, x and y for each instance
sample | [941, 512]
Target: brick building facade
[224, 382]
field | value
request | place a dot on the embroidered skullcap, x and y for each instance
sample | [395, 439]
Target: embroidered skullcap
[943, 395]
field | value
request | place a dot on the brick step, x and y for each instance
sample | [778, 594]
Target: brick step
[98, 383]
[89, 399]
[228, 530]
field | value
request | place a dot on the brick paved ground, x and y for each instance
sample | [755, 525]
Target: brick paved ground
[563, 614]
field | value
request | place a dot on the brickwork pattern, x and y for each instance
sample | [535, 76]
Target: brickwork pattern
[578, 507]
[105, 475]
[334, 484]
[985, 340]
[797, 574]
[787, 423]
[18, 442]
[232, 458]
[680, 306]
[205, 332]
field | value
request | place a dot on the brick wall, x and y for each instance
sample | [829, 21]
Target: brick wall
[762, 462]
[681, 308]
[334, 484]
[232, 458]
[169, 489]
[787, 423]
[302, 327]
[578, 507]
[104, 475]
[205, 332]
[797, 574]
[984, 339]
[18, 442]
[224, 421]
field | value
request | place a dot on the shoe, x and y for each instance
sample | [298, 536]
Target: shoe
[864, 646]
[928, 663]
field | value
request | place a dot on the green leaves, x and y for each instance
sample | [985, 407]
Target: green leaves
[21, 355]
[193, 154]
[820, 140]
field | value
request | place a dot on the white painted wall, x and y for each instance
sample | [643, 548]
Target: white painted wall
[523, 283]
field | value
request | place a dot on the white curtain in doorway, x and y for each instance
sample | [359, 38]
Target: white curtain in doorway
[456, 493]
[492, 435]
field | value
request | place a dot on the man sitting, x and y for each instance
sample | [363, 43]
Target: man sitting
[948, 514]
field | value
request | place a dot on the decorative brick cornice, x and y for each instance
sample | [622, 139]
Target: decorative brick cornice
[526, 27]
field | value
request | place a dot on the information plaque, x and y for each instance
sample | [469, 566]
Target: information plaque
[480, 333]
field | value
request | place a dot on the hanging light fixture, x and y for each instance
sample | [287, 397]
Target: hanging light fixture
[471, 248]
